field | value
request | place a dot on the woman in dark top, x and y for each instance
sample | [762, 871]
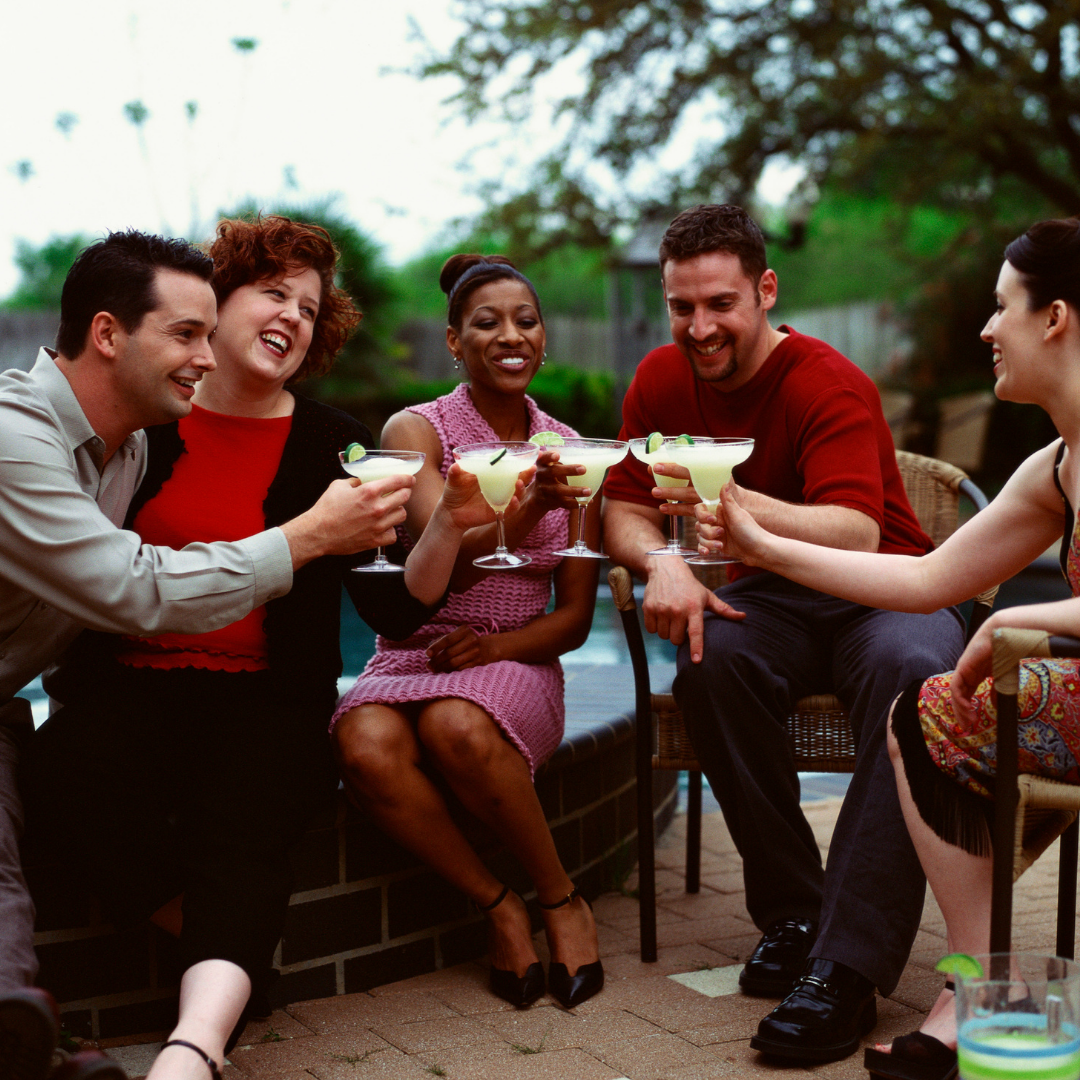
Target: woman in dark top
[201, 757]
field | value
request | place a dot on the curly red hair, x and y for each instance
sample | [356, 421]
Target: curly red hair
[269, 248]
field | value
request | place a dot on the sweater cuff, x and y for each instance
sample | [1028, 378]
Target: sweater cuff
[271, 562]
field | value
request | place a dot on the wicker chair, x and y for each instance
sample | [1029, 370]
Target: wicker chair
[819, 729]
[1029, 812]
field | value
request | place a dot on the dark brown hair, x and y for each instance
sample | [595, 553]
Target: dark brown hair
[481, 270]
[1047, 257]
[117, 275]
[704, 229]
[270, 248]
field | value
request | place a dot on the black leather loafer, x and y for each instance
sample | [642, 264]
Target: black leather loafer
[831, 1008]
[779, 959]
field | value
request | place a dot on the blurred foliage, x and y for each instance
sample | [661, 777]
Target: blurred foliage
[582, 399]
[42, 271]
[948, 99]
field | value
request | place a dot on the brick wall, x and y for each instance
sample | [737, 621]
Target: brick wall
[364, 912]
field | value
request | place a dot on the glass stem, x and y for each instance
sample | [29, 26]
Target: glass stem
[673, 530]
[501, 536]
[581, 525]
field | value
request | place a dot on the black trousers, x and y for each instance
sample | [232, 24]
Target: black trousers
[794, 642]
[186, 781]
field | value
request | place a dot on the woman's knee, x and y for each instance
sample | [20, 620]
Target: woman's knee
[459, 735]
[373, 743]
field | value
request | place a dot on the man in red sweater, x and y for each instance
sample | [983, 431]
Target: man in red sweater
[823, 469]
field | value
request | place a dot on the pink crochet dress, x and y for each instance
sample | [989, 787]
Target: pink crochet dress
[525, 700]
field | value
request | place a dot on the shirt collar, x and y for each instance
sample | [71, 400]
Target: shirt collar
[76, 428]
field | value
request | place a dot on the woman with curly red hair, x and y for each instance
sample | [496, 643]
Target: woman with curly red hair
[201, 757]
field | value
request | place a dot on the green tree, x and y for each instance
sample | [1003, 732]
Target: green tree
[949, 100]
[42, 271]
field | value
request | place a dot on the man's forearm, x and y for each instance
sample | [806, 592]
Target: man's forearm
[629, 533]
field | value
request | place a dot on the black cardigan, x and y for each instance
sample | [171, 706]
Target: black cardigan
[302, 627]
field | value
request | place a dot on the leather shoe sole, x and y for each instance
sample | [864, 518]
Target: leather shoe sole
[797, 1050]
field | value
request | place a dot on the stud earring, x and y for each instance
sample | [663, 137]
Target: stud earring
[457, 362]
[543, 359]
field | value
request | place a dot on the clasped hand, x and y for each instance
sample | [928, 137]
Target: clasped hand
[460, 649]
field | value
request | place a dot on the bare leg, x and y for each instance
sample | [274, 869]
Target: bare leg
[213, 994]
[961, 884]
[491, 778]
[379, 756]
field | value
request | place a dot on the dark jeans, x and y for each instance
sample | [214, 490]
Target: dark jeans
[794, 642]
[186, 781]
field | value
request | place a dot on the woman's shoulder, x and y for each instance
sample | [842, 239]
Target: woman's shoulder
[409, 430]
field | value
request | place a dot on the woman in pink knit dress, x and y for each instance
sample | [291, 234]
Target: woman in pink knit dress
[478, 692]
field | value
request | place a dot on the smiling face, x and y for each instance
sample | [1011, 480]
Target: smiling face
[265, 327]
[1016, 332]
[157, 365]
[501, 340]
[719, 320]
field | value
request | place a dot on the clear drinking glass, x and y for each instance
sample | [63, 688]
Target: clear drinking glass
[597, 455]
[1020, 1018]
[374, 465]
[710, 462]
[662, 456]
[497, 465]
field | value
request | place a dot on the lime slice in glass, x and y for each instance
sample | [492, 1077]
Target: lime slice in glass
[547, 438]
[685, 440]
[958, 963]
[654, 442]
[498, 457]
[354, 452]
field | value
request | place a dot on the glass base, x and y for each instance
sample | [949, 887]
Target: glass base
[502, 562]
[580, 552]
[709, 560]
[384, 567]
[686, 553]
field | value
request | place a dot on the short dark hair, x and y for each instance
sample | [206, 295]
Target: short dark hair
[706, 228]
[482, 270]
[247, 250]
[1047, 257]
[117, 275]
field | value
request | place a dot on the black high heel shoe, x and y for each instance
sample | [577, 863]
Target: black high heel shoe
[570, 990]
[520, 990]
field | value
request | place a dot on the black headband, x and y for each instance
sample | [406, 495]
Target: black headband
[480, 267]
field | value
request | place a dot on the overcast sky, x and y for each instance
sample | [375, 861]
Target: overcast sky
[315, 109]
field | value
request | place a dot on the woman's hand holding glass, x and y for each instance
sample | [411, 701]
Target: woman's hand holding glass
[548, 490]
[465, 504]
[729, 530]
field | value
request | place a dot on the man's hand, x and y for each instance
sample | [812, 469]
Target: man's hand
[461, 648]
[675, 604]
[349, 517]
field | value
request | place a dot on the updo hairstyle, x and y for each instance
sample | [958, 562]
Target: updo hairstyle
[1047, 258]
[273, 247]
[463, 274]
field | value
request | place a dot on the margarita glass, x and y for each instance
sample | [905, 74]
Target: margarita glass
[710, 462]
[1019, 1018]
[497, 465]
[663, 456]
[597, 455]
[374, 465]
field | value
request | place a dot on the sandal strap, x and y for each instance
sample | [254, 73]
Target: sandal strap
[485, 908]
[215, 1072]
[569, 898]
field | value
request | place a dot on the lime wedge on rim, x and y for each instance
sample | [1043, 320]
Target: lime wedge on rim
[684, 440]
[958, 963]
[654, 442]
[498, 457]
[354, 452]
[547, 438]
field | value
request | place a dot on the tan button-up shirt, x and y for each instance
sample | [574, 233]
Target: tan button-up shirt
[66, 564]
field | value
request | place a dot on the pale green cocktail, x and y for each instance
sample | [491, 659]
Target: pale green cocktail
[711, 462]
[663, 456]
[375, 465]
[496, 466]
[597, 456]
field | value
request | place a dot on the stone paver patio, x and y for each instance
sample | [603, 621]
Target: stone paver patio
[645, 1025]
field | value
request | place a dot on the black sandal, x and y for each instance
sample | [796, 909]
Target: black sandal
[914, 1057]
[215, 1071]
[570, 990]
[520, 990]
